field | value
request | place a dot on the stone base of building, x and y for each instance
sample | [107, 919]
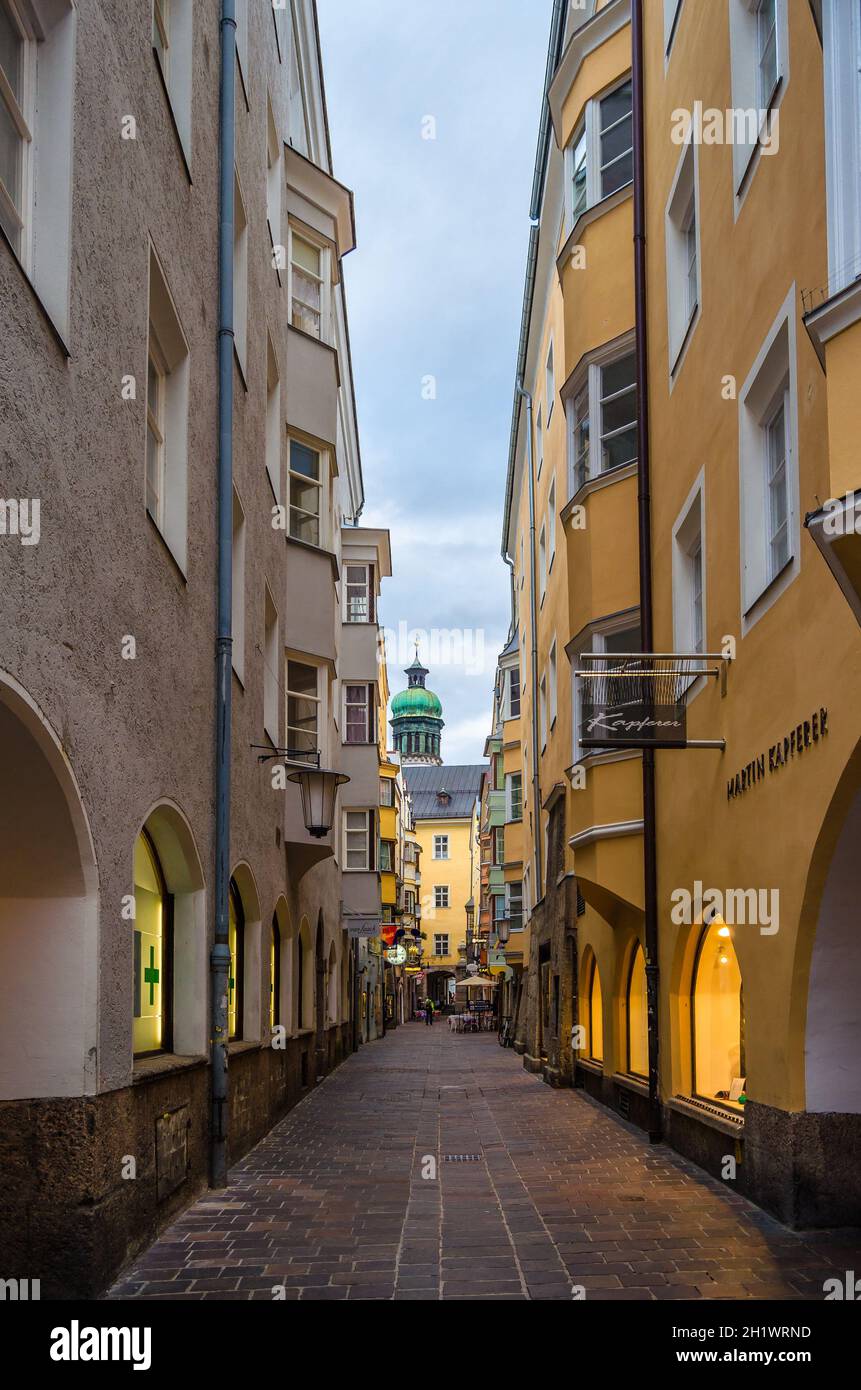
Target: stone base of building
[90, 1181]
[533, 1064]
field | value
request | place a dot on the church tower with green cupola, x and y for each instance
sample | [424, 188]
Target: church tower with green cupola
[417, 719]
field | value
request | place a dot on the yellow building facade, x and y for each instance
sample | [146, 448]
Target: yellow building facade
[712, 1000]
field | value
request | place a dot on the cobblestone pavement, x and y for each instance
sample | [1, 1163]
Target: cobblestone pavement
[536, 1190]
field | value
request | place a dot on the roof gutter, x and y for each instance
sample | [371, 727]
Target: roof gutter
[554, 53]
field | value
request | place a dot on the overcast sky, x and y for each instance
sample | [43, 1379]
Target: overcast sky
[434, 290]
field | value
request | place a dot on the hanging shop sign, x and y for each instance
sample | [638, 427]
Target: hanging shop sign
[396, 955]
[800, 740]
[361, 926]
[388, 931]
[637, 703]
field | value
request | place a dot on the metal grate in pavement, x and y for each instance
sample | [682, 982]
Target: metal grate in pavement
[461, 1158]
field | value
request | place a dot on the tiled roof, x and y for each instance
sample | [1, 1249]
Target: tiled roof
[463, 784]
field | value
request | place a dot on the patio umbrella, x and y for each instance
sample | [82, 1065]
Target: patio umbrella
[479, 982]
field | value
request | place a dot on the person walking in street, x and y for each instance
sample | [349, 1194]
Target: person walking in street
[429, 1010]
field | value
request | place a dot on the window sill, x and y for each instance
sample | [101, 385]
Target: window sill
[163, 1064]
[589, 1064]
[239, 1045]
[629, 1082]
[61, 342]
[729, 1123]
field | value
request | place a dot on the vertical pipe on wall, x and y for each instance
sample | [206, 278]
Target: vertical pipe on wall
[644, 520]
[220, 955]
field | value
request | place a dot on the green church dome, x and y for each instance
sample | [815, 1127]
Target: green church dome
[416, 702]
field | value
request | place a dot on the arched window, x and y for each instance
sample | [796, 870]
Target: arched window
[638, 1027]
[236, 941]
[595, 1024]
[300, 982]
[717, 1018]
[275, 974]
[153, 953]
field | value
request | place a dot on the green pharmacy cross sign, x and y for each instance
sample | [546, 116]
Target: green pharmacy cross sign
[151, 975]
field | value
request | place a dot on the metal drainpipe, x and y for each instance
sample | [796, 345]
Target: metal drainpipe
[220, 955]
[533, 622]
[644, 519]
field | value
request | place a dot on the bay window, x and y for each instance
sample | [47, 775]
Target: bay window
[358, 840]
[359, 593]
[307, 478]
[513, 796]
[358, 712]
[514, 906]
[304, 721]
[309, 290]
[600, 157]
[604, 393]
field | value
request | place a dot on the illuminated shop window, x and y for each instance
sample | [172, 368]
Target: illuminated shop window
[638, 1029]
[717, 1019]
[236, 942]
[275, 975]
[152, 949]
[595, 1042]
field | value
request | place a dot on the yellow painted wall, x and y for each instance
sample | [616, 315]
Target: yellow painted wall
[454, 871]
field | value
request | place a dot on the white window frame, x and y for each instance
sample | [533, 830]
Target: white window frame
[367, 591]
[689, 551]
[441, 897]
[274, 168]
[241, 13]
[587, 386]
[240, 277]
[367, 705]
[440, 846]
[304, 234]
[551, 525]
[441, 936]
[841, 43]
[518, 884]
[272, 668]
[298, 133]
[539, 442]
[172, 356]
[274, 425]
[681, 218]
[549, 380]
[542, 563]
[173, 20]
[320, 698]
[672, 10]
[590, 126]
[746, 86]
[321, 484]
[366, 830]
[552, 698]
[542, 711]
[237, 650]
[773, 376]
[512, 692]
[509, 797]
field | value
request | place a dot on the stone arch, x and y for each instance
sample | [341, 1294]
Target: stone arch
[252, 992]
[174, 843]
[49, 912]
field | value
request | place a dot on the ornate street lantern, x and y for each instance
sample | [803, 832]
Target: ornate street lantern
[319, 786]
[503, 929]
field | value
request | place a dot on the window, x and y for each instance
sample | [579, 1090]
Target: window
[236, 970]
[387, 791]
[539, 443]
[549, 381]
[514, 906]
[841, 42]
[513, 796]
[717, 1018]
[440, 944]
[608, 394]
[580, 192]
[595, 1017]
[308, 289]
[671, 21]
[551, 681]
[619, 639]
[275, 974]
[512, 682]
[273, 176]
[153, 952]
[769, 467]
[358, 712]
[273, 419]
[240, 276]
[36, 146]
[171, 41]
[387, 856]
[498, 907]
[306, 493]
[358, 839]
[166, 467]
[689, 575]
[498, 843]
[359, 593]
[272, 667]
[440, 895]
[542, 563]
[298, 122]
[238, 588]
[551, 525]
[616, 139]
[303, 709]
[682, 255]
[241, 11]
[759, 47]
[637, 1016]
[440, 847]
[542, 710]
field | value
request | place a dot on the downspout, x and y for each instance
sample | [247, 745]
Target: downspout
[220, 956]
[644, 526]
[533, 638]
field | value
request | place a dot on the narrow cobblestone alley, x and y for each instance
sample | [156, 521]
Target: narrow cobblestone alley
[537, 1191]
